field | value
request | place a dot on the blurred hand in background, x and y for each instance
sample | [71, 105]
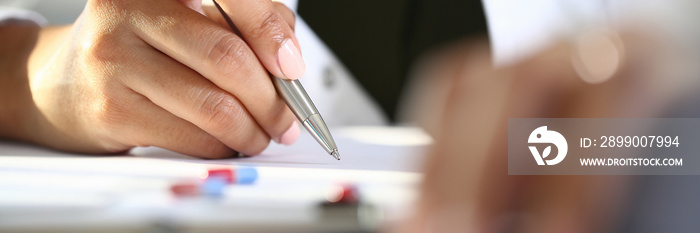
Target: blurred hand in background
[465, 103]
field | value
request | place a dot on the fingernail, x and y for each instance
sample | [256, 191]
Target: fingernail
[290, 61]
[291, 135]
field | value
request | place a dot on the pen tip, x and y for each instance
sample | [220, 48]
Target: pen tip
[335, 154]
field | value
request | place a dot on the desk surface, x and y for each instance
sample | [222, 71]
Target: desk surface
[43, 190]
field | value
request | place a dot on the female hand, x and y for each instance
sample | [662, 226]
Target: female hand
[164, 73]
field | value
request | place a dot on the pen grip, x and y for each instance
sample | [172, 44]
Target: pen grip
[296, 97]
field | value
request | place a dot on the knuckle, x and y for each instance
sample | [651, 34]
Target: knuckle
[107, 114]
[287, 13]
[110, 111]
[109, 119]
[225, 117]
[228, 55]
[269, 27]
[99, 49]
[222, 113]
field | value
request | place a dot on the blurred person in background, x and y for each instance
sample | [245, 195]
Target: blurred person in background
[370, 89]
[555, 59]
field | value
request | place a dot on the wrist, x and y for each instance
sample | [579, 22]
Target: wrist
[16, 106]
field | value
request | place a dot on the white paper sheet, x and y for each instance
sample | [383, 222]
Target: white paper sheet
[45, 188]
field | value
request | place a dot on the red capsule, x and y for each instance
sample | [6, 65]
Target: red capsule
[223, 173]
[185, 189]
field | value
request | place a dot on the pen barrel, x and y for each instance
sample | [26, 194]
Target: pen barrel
[296, 98]
[319, 131]
[299, 102]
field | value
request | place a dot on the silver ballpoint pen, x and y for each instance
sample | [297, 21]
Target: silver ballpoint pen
[299, 102]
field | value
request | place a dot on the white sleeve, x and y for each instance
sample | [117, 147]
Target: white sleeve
[519, 29]
[9, 13]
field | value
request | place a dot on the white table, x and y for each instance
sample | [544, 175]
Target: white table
[48, 191]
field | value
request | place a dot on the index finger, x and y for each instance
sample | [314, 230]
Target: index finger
[217, 54]
[265, 27]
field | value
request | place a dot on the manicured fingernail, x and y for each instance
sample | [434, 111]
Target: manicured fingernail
[291, 135]
[290, 61]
